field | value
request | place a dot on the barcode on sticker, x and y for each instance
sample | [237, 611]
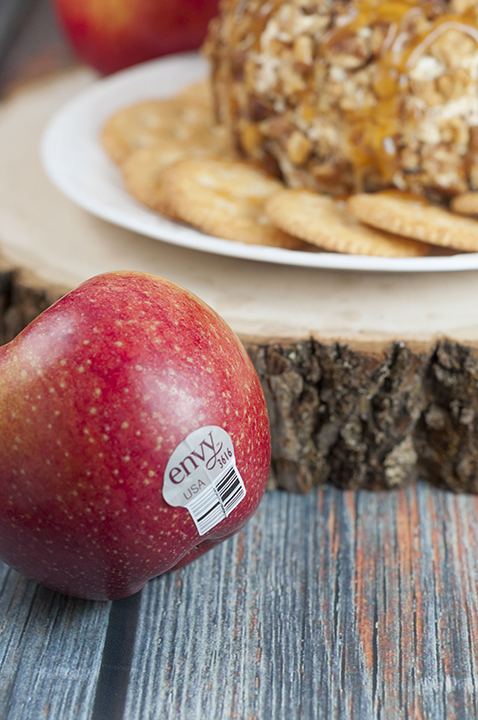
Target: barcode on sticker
[218, 500]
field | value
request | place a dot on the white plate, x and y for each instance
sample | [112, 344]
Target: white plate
[75, 162]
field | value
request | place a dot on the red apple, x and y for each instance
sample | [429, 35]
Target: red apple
[134, 437]
[113, 34]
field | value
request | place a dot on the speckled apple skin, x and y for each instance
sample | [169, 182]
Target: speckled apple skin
[95, 395]
[111, 36]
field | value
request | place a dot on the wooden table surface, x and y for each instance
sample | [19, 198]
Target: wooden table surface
[330, 605]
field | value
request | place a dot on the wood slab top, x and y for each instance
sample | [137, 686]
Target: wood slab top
[42, 230]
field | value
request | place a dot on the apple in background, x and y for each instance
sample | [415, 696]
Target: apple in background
[134, 436]
[111, 35]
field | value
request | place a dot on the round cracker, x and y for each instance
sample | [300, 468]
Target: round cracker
[187, 117]
[143, 172]
[415, 219]
[225, 199]
[325, 222]
[143, 169]
[466, 203]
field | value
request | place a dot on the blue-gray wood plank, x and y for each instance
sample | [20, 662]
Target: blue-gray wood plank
[333, 605]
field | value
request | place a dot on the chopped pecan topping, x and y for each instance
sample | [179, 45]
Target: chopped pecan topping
[385, 91]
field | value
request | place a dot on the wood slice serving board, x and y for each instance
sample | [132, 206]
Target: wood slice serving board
[371, 378]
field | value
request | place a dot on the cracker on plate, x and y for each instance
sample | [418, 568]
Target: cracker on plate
[143, 169]
[225, 199]
[415, 219]
[184, 117]
[466, 203]
[327, 223]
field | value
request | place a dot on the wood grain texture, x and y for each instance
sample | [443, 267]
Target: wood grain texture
[50, 650]
[338, 604]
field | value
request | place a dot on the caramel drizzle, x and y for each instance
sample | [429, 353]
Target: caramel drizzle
[371, 136]
[442, 26]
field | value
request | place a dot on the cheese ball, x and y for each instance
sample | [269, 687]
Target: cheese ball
[352, 96]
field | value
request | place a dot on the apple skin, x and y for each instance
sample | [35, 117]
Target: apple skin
[111, 36]
[95, 395]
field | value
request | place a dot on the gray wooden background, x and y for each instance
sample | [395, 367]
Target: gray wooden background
[331, 605]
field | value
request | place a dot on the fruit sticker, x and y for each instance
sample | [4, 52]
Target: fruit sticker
[202, 476]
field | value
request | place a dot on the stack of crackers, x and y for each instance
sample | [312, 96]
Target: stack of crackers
[177, 161]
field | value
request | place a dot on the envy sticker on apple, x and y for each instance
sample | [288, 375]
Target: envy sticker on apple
[202, 476]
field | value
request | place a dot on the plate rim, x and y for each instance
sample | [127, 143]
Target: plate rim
[109, 90]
